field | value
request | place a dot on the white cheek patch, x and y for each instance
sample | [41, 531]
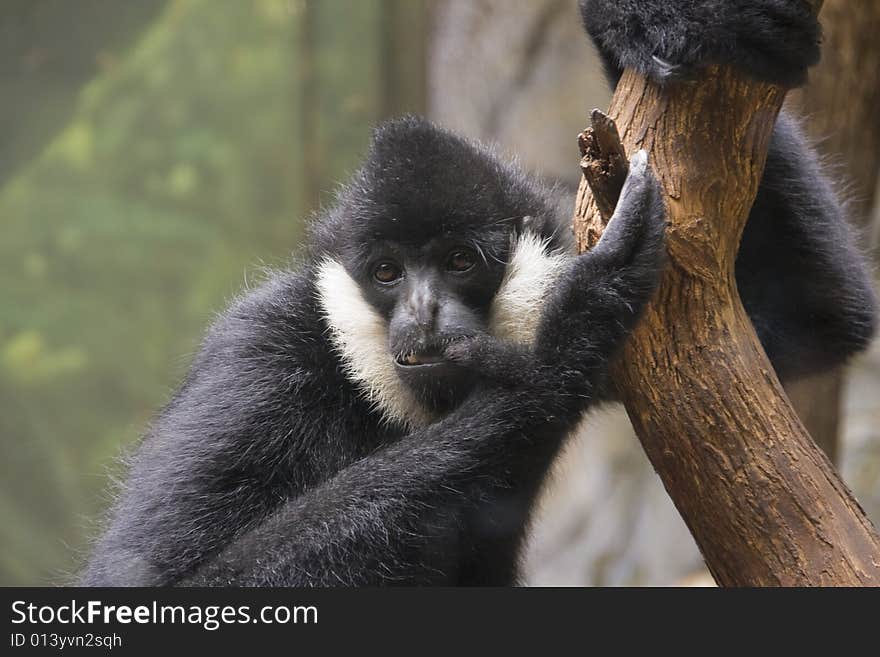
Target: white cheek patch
[360, 337]
[530, 276]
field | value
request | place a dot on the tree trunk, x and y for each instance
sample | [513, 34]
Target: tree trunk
[762, 501]
[816, 399]
[841, 103]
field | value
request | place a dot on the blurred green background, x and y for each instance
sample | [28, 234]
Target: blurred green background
[152, 154]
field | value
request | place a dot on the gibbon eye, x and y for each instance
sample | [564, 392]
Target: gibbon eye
[460, 260]
[387, 272]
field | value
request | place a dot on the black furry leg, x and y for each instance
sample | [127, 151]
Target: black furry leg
[801, 276]
[772, 40]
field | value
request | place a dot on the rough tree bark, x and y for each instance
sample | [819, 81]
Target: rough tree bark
[841, 104]
[764, 504]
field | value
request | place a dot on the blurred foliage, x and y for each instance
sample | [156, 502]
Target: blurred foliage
[192, 157]
[48, 49]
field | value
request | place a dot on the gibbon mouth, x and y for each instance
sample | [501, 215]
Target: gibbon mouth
[417, 358]
[433, 354]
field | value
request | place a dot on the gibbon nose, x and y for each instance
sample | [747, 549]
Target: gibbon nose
[423, 305]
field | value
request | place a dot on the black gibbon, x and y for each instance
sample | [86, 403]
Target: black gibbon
[385, 412]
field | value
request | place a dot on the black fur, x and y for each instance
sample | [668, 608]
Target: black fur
[801, 276]
[773, 40]
[269, 467]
